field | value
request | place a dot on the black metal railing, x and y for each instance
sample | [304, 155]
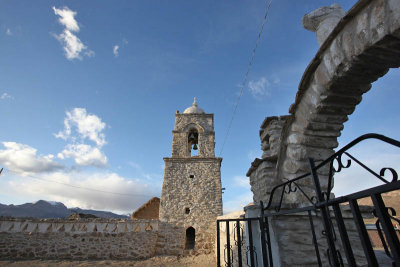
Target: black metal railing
[326, 209]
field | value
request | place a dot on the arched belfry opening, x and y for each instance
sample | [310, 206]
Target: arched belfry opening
[188, 174]
[190, 238]
[193, 142]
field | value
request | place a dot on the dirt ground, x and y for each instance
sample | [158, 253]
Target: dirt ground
[167, 261]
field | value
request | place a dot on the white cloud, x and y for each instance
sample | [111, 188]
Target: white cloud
[80, 126]
[23, 159]
[115, 50]
[8, 32]
[6, 96]
[87, 126]
[259, 88]
[131, 193]
[72, 45]
[67, 18]
[84, 155]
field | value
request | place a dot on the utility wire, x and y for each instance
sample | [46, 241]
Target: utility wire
[246, 76]
[81, 187]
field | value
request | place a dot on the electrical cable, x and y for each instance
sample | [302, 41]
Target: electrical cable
[246, 76]
[81, 187]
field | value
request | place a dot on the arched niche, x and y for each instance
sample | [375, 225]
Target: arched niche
[193, 134]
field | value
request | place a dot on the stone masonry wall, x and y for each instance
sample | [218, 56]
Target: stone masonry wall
[357, 48]
[200, 194]
[86, 239]
[294, 231]
[262, 173]
[204, 124]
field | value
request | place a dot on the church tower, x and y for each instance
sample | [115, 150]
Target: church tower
[191, 194]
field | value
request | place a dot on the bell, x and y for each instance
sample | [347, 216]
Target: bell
[195, 147]
[191, 137]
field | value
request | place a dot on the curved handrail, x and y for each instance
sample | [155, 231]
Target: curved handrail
[330, 159]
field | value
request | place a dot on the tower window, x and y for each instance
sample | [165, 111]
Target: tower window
[193, 141]
[187, 210]
[190, 238]
[191, 176]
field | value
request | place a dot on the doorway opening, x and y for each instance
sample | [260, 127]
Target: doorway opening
[190, 238]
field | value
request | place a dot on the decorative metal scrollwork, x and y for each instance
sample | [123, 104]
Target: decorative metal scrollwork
[290, 187]
[248, 251]
[230, 255]
[336, 165]
[392, 171]
[391, 212]
[314, 200]
[341, 166]
[238, 239]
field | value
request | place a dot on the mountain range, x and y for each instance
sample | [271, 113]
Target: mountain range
[50, 209]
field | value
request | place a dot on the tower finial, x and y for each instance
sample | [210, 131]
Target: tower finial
[194, 102]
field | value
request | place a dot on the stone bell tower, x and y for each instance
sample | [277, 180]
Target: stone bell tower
[191, 194]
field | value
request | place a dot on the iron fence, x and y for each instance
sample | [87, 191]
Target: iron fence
[324, 208]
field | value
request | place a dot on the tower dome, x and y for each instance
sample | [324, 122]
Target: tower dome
[194, 109]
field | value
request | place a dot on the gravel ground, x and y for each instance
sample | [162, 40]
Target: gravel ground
[167, 261]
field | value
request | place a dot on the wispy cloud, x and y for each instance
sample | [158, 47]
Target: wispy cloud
[6, 96]
[73, 46]
[8, 32]
[115, 50]
[118, 46]
[253, 154]
[142, 173]
[79, 126]
[238, 203]
[262, 87]
[259, 88]
[241, 181]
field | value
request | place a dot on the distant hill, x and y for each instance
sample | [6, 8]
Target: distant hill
[50, 209]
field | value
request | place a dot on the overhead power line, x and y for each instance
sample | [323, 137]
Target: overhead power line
[81, 187]
[253, 53]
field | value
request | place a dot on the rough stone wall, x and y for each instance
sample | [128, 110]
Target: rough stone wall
[362, 47]
[201, 195]
[297, 247]
[191, 193]
[262, 173]
[204, 124]
[359, 50]
[86, 239]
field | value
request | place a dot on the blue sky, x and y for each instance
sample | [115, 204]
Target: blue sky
[101, 114]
